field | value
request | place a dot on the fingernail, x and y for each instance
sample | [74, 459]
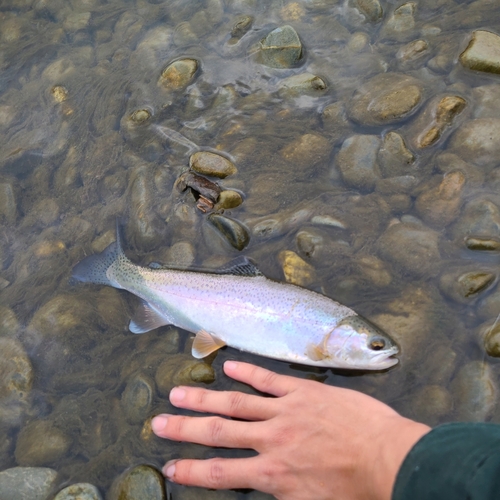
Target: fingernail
[177, 395]
[169, 469]
[230, 365]
[159, 423]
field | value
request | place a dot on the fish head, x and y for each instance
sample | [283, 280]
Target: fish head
[358, 344]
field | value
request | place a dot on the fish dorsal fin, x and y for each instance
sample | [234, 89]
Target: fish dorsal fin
[205, 344]
[315, 352]
[146, 319]
[241, 266]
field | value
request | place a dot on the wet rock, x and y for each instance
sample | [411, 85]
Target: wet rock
[411, 248]
[9, 325]
[182, 369]
[375, 270]
[281, 48]
[44, 213]
[233, 231]
[202, 186]
[241, 26]
[296, 270]
[464, 287]
[483, 52]
[16, 371]
[307, 150]
[138, 483]
[79, 491]
[292, 12]
[40, 443]
[137, 398]
[438, 206]
[394, 158]
[178, 74]
[479, 224]
[431, 404]
[8, 205]
[478, 141]
[490, 334]
[482, 244]
[486, 101]
[370, 9]
[357, 161]
[436, 119]
[400, 23]
[181, 255]
[76, 21]
[27, 483]
[386, 98]
[412, 51]
[184, 34]
[489, 306]
[213, 164]
[402, 184]
[309, 243]
[475, 392]
[359, 42]
[448, 162]
[229, 199]
[303, 83]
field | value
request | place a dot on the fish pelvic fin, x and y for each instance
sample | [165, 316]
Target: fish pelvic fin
[93, 269]
[204, 344]
[146, 319]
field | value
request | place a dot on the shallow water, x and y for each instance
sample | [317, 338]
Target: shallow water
[407, 235]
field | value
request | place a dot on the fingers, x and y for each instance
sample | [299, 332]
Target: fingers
[210, 431]
[261, 379]
[230, 403]
[219, 473]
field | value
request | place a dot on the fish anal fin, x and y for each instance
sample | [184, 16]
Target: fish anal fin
[315, 352]
[204, 344]
[146, 319]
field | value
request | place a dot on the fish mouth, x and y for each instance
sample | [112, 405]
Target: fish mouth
[384, 359]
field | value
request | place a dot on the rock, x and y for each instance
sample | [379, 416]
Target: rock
[431, 404]
[137, 398]
[180, 254]
[357, 161]
[375, 270]
[16, 371]
[213, 164]
[205, 191]
[9, 325]
[386, 98]
[44, 213]
[233, 231]
[303, 83]
[394, 158]
[178, 74]
[479, 225]
[483, 52]
[309, 243]
[475, 392]
[489, 306]
[464, 287]
[41, 443]
[292, 12]
[412, 51]
[27, 483]
[400, 23]
[307, 150]
[370, 9]
[478, 141]
[281, 48]
[438, 206]
[486, 100]
[403, 184]
[296, 270]
[411, 248]
[490, 334]
[229, 199]
[79, 491]
[8, 204]
[482, 244]
[138, 483]
[359, 42]
[448, 162]
[241, 26]
[76, 21]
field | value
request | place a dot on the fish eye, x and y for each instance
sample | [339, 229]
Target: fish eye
[377, 344]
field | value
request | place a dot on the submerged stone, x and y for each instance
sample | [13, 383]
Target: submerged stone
[178, 74]
[140, 483]
[370, 9]
[79, 491]
[490, 333]
[281, 48]
[26, 483]
[16, 371]
[483, 52]
[207, 163]
[304, 83]
[233, 231]
[394, 158]
[296, 270]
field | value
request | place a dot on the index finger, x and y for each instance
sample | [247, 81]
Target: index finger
[261, 379]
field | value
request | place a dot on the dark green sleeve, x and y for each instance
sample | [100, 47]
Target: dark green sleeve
[452, 462]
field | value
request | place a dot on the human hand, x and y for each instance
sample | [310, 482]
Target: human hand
[313, 441]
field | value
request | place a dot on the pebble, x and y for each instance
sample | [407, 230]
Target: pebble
[412, 51]
[475, 392]
[490, 334]
[400, 23]
[296, 270]
[306, 150]
[16, 371]
[439, 206]
[478, 141]
[79, 491]
[139, 483]
[370, 9]
[303, 83]
[464, 287]
[8, 205]
[386, 98]
[40, 443]
[233, 231]
[394, 158]
[228, 199]
[281, 48]
[483, 52]
[178, 74]
[478, 225]
[486, 100]
[137, 398]
[213, 164]
[357, 161]
[27, 483]
[241, 26]
[9, 325]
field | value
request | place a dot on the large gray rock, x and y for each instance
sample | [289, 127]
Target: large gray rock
[483, 52]
[79, 491]
[140, 483]
[26, 483]
[281, 48]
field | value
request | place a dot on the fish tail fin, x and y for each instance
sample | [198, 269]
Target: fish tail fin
[93, 269]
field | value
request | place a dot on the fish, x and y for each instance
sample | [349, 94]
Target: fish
[240, 307]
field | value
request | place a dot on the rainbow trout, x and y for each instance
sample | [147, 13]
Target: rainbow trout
[243, 309]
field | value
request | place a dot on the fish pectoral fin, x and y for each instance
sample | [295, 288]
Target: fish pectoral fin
[204, 344]
[315, 352]
[146, 319]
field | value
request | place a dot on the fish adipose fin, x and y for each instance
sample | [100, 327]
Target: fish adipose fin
[205, 344]
[241, 266]
[146, 319]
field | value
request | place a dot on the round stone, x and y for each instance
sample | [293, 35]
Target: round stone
[16, 371]
[140, 483]
[79, 491]
[483, 52]
[212, 164]
[26, 483]
[178, 74]
[281, 48]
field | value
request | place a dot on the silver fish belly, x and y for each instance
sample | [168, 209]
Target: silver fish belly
[243, 309]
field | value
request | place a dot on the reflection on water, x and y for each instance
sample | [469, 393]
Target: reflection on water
[365, 140]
